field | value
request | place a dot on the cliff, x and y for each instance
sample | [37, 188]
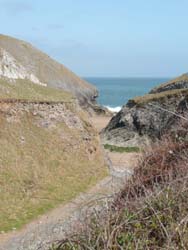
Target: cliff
[151, 116]
[20, 60]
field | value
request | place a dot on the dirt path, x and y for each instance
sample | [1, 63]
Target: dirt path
[53, 226]
[119, 162]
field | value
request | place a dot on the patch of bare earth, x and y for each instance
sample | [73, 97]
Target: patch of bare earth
[122, 161]
[100, 122]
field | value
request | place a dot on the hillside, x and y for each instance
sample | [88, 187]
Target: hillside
[20, 60]
[49, 151]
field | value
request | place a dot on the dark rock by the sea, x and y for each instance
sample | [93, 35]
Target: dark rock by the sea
[149, 117]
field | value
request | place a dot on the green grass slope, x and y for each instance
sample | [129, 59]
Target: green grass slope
[26, 90]
[41, 166]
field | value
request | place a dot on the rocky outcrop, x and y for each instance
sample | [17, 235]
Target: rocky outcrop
[177, 83]
[148, 117]
[19, 59]
[101, 110]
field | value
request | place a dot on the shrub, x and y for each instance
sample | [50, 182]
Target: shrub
[151, 212]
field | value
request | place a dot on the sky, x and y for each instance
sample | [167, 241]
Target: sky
[114, 38]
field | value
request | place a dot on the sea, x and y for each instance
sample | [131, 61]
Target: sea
[115, 92]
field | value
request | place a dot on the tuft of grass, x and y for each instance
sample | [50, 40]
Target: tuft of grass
[151, 210]
[182, 78]
[118, 149]
[140, 100]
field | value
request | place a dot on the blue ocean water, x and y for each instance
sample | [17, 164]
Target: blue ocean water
[115, 92]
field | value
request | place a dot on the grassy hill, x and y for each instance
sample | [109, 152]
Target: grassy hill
[44, 68]
[49, 152]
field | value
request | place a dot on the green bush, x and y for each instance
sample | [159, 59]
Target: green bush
[113, 148]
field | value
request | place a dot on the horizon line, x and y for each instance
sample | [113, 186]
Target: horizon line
[167, 77]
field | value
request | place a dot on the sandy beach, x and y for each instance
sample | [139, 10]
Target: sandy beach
[100, 122]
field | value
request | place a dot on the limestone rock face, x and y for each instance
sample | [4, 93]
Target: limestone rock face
[146, 118]
[11, 69]
[20, 60]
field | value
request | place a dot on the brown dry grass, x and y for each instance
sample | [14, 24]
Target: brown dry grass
[160, 165]
[149, 213]
[182, 78]
[158, 96]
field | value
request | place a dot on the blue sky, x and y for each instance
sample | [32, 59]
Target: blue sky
[104, 37]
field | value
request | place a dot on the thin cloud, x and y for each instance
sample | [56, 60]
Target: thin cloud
[15, 7]
[49, 27]
[35, 29]
[55, 26]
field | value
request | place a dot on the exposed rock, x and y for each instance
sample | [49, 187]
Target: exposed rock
[11, 69]
[146, 118]
[47, 114]
[177, 83]
[101, 110]
[19, 59]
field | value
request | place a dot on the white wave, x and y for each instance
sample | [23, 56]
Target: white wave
[114, 109]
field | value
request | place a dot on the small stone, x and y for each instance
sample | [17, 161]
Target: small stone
[22, 139]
